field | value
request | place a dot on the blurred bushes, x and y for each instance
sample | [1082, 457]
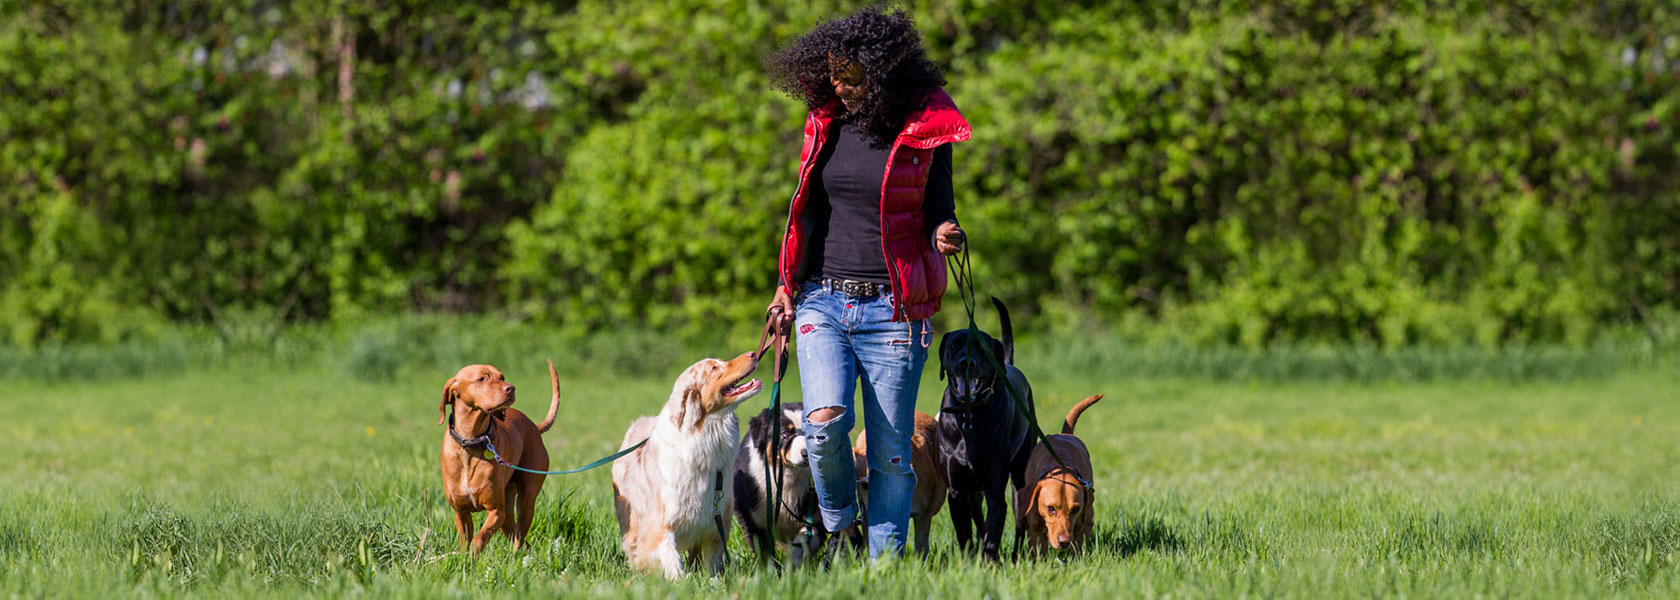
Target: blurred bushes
[390, 348]
[1444, 172]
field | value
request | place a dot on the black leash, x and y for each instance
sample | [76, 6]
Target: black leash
[717, 516]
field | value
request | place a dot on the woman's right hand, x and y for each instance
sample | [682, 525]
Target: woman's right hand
[785, 304]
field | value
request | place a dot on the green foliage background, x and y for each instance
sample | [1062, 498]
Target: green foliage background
[1258, 173]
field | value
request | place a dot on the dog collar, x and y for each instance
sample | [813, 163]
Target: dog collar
[964, 415]
[1083, 482]
[476, 443]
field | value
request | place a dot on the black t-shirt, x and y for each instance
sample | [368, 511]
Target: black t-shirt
[844, 207]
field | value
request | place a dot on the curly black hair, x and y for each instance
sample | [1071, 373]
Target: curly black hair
[882, 41]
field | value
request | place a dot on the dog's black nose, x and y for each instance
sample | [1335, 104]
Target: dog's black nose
[507, 388]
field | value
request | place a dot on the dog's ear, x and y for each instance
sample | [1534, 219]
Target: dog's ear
[1090, 497]
[1032, 517]
[759, 427]
[681, 414]
[448, 397]
[945, 343]
[689, 411]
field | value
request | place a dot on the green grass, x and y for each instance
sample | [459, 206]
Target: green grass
[249, 479]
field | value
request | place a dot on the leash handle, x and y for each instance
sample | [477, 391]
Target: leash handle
[774, 337]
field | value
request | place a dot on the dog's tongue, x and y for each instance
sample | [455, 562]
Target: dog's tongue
[743, 388]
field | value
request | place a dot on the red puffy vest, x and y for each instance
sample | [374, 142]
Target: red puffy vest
[917, 270]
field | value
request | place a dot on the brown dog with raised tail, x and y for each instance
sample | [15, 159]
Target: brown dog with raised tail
[1055, 509]
[477, 407]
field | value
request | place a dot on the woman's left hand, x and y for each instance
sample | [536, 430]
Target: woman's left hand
[949, 238]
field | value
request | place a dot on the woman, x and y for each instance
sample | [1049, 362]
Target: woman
[862, 263]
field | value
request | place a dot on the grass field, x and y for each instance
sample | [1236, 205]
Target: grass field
[313, 481]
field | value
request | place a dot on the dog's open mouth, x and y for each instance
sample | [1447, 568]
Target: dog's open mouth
[751, 385]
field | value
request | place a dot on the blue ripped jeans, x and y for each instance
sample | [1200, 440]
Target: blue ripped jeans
[842, 338]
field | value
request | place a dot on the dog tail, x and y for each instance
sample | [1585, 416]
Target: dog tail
[554, 403]
[1073, 415]
[1008, 357]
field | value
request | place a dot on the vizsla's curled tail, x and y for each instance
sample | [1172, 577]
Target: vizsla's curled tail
[553, 404]
[1073, 415]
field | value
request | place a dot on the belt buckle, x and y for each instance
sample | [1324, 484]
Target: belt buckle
[858, 289]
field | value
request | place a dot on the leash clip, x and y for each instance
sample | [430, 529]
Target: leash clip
[490, 449]
[717, 495]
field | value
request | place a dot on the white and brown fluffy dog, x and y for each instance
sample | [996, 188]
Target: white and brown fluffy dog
[754, 467]
[673, 507]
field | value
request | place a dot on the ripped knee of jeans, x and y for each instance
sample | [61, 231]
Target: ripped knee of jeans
[825, 427]
[825, 415]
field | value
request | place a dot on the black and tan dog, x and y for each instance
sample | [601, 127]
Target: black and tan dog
[754, 468]
[984, 439]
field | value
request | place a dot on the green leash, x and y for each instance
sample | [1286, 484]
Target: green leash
[964, 276]
[491, 447]
[774, 338]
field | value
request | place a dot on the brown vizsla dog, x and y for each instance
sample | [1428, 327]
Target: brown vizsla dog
[476, 406]
[1055, 510]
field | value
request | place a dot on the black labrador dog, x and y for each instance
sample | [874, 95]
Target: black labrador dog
[984, 439]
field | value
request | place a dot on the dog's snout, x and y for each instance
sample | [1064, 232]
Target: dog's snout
[507, 388]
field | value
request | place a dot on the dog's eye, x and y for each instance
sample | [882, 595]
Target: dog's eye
[480, 378]
[1051, 510]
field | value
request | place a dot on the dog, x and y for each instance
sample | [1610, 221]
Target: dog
[673, 509]
[798, 497]
[984, 439]
[1055, 510]
[476, 407]
[925, 462]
